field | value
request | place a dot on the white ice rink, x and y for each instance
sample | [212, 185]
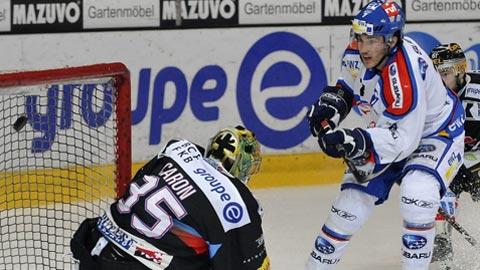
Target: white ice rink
[293, 217]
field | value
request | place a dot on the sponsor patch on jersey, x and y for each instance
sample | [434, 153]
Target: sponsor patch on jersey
[148, 254]
[422, 67]
[428, 153]
[473, 91]
[395, 87]
[422, 148]
[351, 63]
[218, 188]
[472, 110]
[398, 90]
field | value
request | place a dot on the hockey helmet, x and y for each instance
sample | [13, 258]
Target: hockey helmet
[380, 18]
[449, 57]
[237, 150]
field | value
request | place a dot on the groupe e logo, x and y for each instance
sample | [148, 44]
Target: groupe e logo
[284, 73]
[233, 212]
[279, 77]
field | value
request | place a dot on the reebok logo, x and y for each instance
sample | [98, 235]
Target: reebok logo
[46, 13]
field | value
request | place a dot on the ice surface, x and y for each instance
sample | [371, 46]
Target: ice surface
[293, 216]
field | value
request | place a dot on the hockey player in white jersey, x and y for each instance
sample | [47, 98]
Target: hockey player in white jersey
[413, 135]
[450, 61]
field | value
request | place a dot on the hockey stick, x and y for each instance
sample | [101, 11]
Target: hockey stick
[470, 239]
[362, 177]
[474, 168]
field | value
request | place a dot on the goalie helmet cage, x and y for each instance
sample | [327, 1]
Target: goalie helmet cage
[65, 154]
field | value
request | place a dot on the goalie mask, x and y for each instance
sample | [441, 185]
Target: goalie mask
[449, 60]
[237, 150]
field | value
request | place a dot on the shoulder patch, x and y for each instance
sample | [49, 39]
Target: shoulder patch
[351, 62]
[398, 90]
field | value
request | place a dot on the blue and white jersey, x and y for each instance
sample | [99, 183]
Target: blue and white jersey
[402, 103]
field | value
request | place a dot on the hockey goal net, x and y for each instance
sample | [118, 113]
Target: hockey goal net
[65, 154]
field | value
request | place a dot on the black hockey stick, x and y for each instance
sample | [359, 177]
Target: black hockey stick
[457, 227]
[474, 168]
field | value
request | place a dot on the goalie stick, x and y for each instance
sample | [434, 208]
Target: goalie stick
[470, 239]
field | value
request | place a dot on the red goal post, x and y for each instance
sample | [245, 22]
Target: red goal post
[66, 134]
[119, 73]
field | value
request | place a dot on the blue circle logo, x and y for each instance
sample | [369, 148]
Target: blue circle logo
[233, 212]
[322, 245]
[286, 75]
[412, 241]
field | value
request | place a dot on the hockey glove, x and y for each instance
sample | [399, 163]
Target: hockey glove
[332, 107]
[351, 144]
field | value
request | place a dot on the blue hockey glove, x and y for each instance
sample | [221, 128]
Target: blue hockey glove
[347, 143]
[330, 109]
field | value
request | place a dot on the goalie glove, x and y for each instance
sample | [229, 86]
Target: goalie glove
[332, 107]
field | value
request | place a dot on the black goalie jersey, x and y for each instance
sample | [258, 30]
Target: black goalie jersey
[183, 205]
[470, 96]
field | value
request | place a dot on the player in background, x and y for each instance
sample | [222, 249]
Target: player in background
[450, 62]
[184, 210]
[413, 134]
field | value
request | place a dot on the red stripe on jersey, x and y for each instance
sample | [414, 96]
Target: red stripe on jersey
[352, 45]
[397, 86]
[192, 241]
